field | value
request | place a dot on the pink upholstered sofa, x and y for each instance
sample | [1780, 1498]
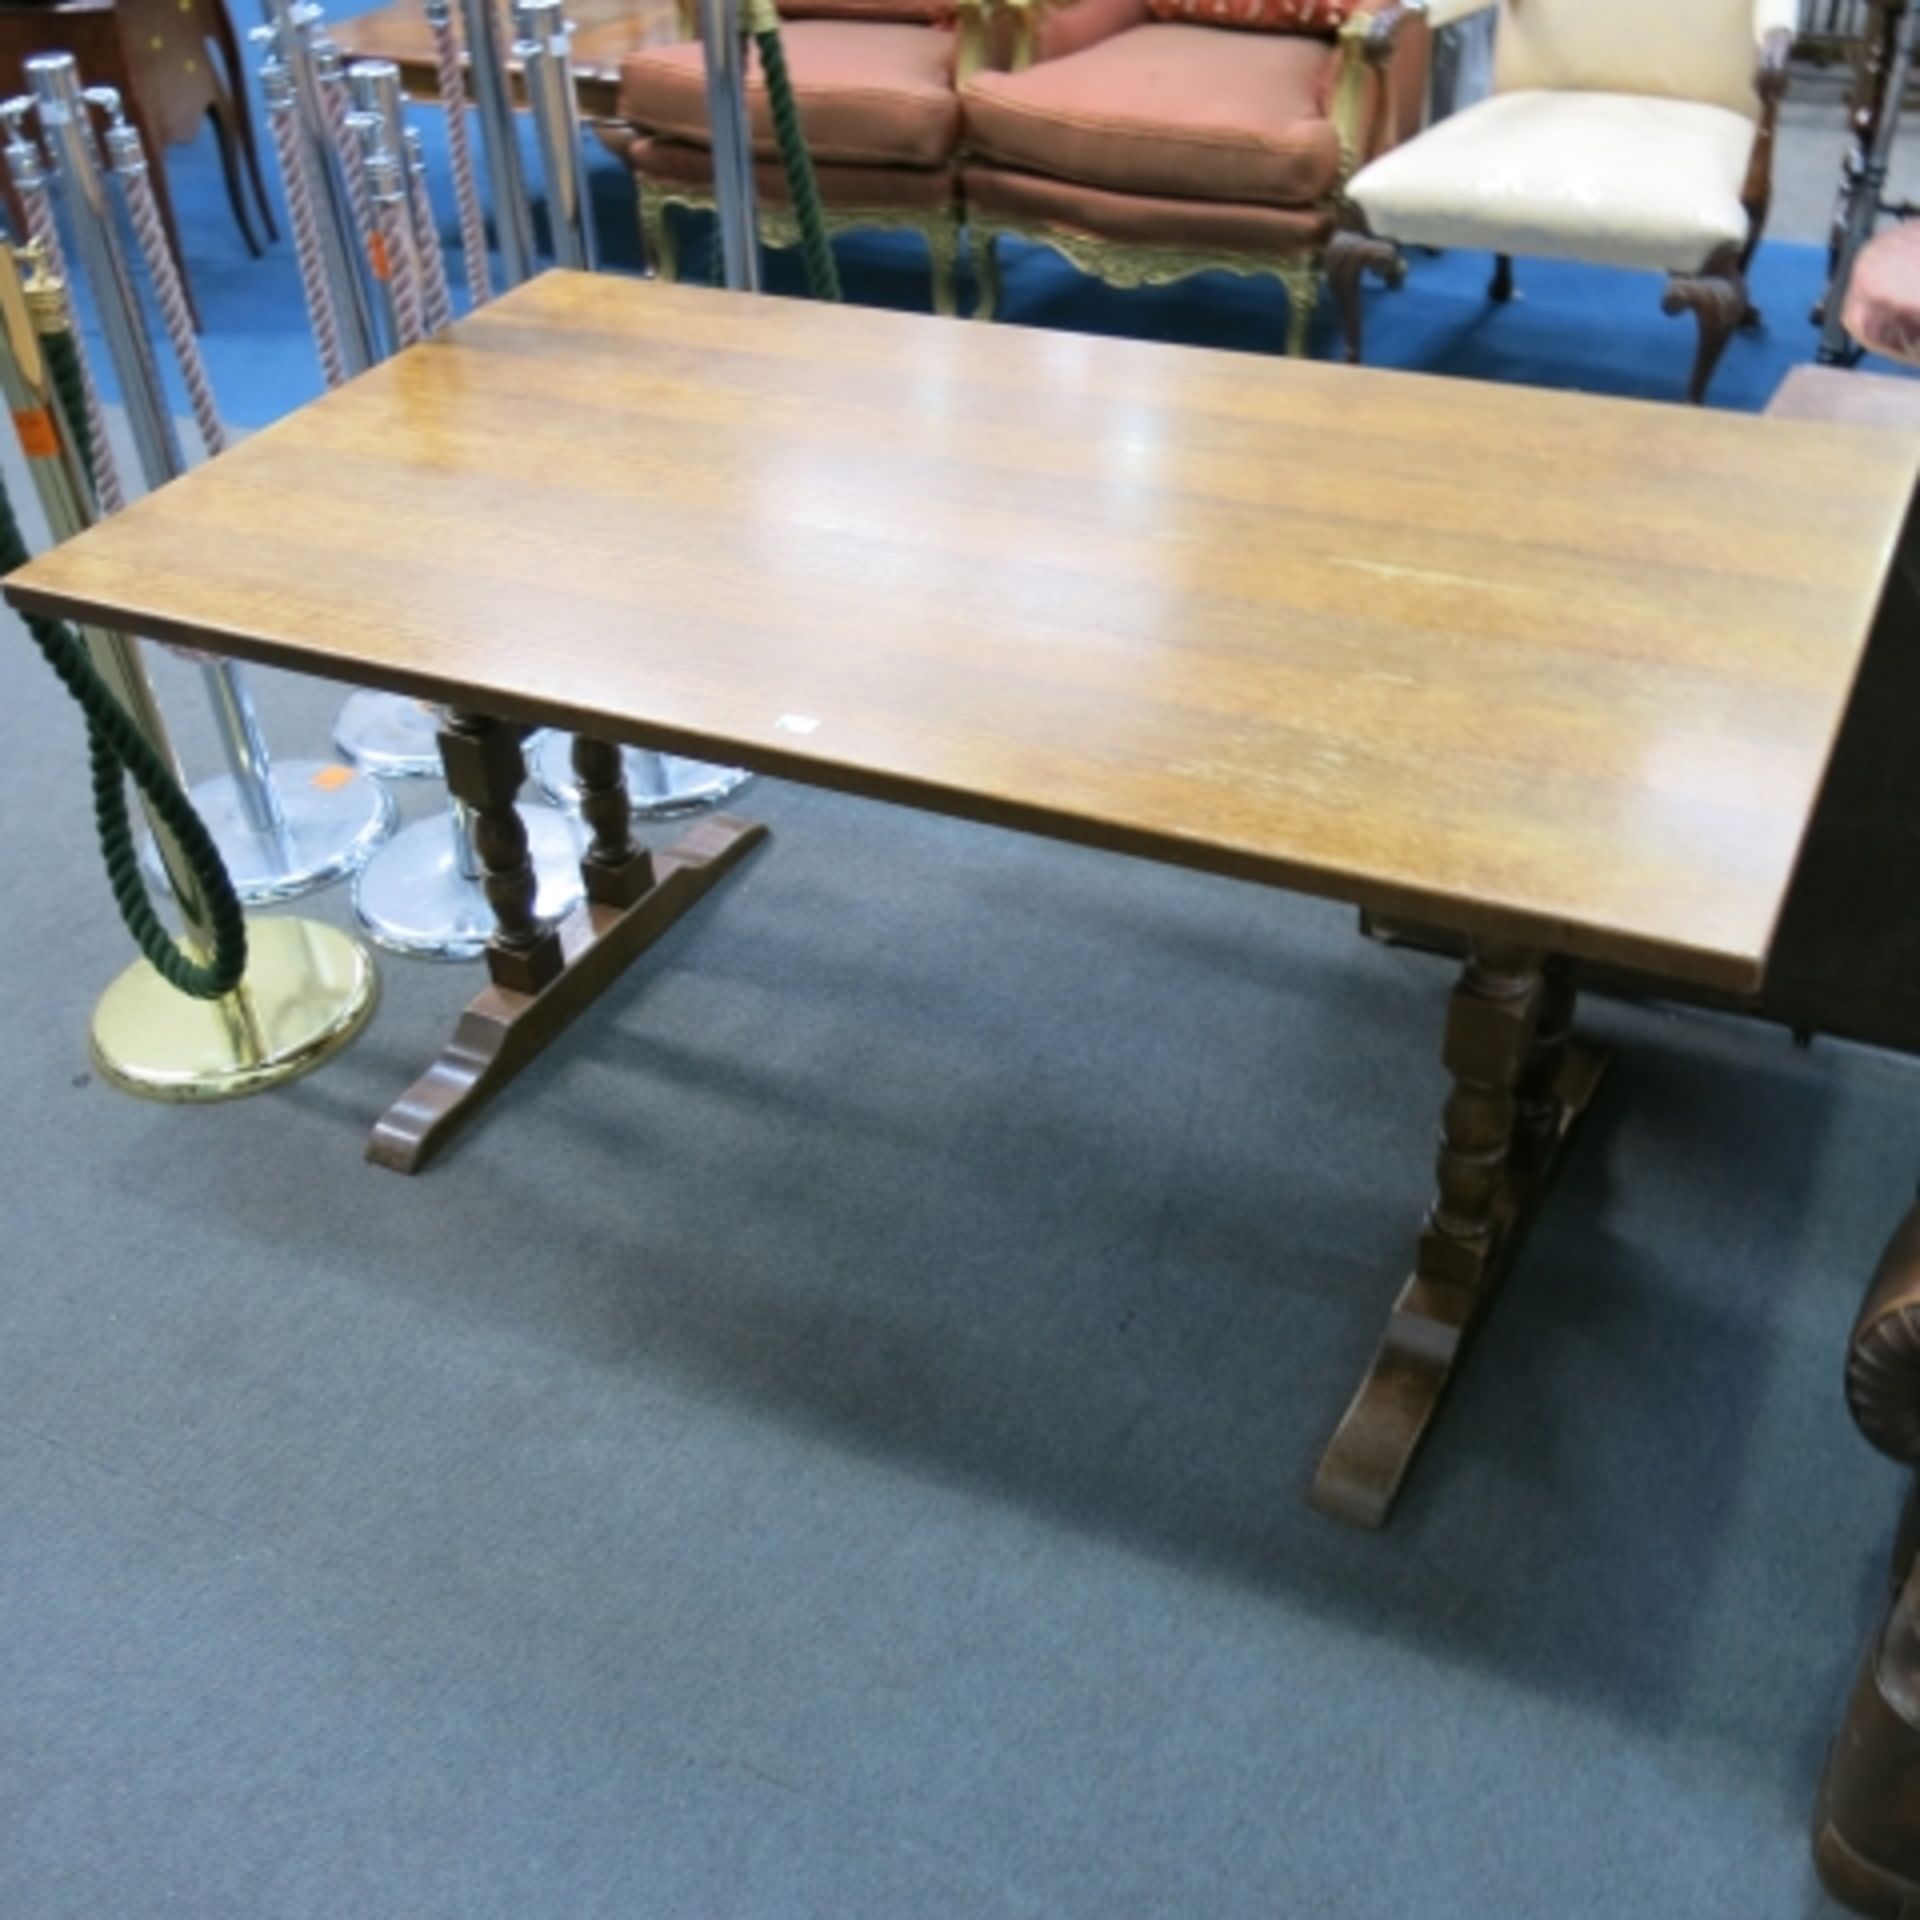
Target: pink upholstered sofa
[1146, 140]
[875, 83]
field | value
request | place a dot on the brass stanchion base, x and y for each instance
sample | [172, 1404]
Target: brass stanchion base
[309, 989]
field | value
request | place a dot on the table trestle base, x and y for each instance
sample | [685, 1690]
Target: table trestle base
[502, 1029]
[1521, 1082]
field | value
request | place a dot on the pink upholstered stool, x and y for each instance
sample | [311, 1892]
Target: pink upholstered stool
[1883, 297]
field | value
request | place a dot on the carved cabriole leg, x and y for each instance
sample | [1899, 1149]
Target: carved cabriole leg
[1519, 1083]
[1302, 280]
[943, 249]
[486, 769]
[986, 258]
[616, 870]
[656, 232]
[1351, 255]
[1500, 287]
[1717, 297]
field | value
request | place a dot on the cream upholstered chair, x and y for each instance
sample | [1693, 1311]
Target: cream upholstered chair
[1625, 133]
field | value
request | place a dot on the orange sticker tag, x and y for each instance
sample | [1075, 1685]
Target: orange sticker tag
[38, 438]
[330, 779]
[377, 253]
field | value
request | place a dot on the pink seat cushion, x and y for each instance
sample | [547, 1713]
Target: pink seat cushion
[671, 164]
[1883, 297]
[1188, 112]
[871, 93]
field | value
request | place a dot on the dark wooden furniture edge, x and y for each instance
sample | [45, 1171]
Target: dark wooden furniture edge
[1866, 1825]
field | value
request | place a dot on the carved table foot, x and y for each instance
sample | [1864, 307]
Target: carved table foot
[1521, 1082]
[504, 1028]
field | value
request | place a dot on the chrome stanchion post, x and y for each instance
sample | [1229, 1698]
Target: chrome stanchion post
[277, 841]
[466, 195]
[662, 785]
[290, 25]
[545, 51]
[512, 219]
[724, 41]
[424, 892]
[308, 988]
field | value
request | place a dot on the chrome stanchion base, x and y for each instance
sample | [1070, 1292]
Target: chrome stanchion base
[413, 898]
[308, 990]
[660, 785]
[390, 736]
[335, 820]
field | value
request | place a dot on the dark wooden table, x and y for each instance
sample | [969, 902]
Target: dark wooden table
[605, 32]
[1561, 675]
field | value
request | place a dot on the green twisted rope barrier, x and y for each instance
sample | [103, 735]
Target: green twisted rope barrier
[803, 187]
[117, 750]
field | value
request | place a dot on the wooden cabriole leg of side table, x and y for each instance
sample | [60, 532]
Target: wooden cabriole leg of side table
[1520, 1081]
[541, 978]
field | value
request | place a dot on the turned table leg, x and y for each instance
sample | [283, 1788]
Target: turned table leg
[485, 772]
[1520, 1080]
[541, 978]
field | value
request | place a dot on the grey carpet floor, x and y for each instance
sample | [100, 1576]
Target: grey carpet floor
[832, 1442]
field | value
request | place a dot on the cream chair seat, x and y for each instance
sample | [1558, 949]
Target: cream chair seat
[1610, 178]
[1624, 133]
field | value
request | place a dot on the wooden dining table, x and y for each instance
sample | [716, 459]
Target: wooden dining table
[1558, 675]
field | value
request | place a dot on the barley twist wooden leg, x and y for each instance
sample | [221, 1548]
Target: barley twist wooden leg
[485, 770]
[616, 869]
[1520, 1080]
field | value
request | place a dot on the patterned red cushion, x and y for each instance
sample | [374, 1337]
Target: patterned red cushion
[1264, 16]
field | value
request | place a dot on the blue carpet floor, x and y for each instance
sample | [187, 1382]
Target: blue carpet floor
[830, 1446]
[1571, 326]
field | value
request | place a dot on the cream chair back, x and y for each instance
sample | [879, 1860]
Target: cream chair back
[1677, 49]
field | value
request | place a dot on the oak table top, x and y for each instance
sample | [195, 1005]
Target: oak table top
[604, 33]
[1548, 669]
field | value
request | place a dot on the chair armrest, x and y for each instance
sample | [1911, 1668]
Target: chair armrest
[1023, 31]
[1883, 1356]
[1363, 58]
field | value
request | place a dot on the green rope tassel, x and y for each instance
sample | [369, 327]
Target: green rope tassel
[116, 748]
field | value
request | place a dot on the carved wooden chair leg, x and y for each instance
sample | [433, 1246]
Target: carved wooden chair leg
[1717, 297]
[986, 268]
[657, 234]
[943, 251]
[1866, 1825]
[1351, 256]
[1500, 287]
[541, 978]
[1520, 1082]
[1303, 281]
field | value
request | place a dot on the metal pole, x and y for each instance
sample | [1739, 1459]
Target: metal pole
[545, 52]
[1866, 191]
[65, 497]
[289, 23]
[82, 188]
[723, 37]
[512, 220]
[376, 165]
[276, 845]
[308, 988]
